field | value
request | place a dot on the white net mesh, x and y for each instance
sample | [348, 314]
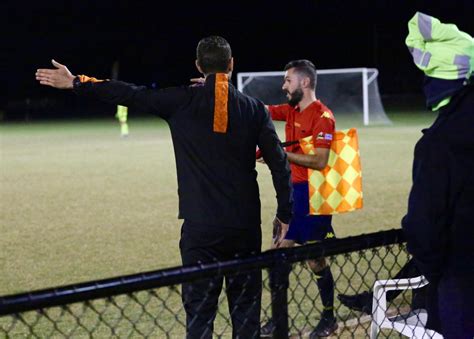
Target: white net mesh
[342, 90]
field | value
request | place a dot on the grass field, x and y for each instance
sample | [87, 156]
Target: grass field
[78, 203]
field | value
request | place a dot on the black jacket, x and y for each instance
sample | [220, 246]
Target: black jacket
[217, 180]
[439, 225]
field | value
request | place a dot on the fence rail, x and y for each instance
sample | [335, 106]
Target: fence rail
[149, 304]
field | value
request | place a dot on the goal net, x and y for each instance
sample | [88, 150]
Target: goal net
[350, 92]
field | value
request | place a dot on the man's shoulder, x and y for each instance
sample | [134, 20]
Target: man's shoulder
[248, 100]
[323, 112]
[182, 89]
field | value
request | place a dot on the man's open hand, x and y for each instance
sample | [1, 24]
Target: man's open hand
[60, 77]
[279, 232]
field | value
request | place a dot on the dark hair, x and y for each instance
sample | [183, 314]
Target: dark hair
[305, 68]
[213, 54]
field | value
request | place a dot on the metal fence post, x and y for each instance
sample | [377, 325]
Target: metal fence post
[279, 283]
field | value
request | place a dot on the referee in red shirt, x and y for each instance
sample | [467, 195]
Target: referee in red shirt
[305, 116]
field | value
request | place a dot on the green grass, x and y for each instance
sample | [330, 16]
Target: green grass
[78, 203]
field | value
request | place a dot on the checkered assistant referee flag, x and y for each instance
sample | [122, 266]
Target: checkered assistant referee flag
[338, 187]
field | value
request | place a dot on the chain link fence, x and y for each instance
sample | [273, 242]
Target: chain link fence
[149, 304]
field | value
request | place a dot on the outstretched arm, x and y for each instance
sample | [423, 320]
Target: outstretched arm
[278, 112]
[60, 77]
[160, 102]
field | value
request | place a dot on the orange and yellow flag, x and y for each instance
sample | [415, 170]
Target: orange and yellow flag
[338, 187]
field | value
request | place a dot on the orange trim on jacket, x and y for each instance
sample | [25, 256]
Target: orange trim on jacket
[221, 93]
[85, 78]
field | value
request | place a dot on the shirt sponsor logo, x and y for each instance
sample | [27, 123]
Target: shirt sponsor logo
[326, 115]
[320, 136]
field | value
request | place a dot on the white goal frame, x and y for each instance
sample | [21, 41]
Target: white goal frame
[366, 81]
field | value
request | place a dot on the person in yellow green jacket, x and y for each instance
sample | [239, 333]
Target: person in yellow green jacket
[444, 53]
[438, 225]
[438, 230]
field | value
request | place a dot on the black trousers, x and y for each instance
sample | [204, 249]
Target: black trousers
[455, 306]
[203, 244]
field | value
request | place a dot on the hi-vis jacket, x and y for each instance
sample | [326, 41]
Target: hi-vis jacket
[440, 50]
[215, 130]
[443, 53]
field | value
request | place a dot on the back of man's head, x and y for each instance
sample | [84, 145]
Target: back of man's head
[213, 55]
[304, 68]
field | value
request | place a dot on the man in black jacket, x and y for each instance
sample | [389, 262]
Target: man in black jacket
[438, 224]
[215, 131]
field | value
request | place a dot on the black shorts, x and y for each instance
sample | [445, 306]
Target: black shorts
[305, 228]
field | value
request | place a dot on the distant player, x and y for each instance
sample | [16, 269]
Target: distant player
[121, 115]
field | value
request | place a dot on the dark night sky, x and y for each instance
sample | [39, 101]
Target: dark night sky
[156, 43]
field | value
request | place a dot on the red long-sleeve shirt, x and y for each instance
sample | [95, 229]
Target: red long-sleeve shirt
[315, 120]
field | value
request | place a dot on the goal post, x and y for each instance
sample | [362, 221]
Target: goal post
[350, 92]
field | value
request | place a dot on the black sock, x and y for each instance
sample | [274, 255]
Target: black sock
[325, 283]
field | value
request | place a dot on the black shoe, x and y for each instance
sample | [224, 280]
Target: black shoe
[267, 330]
[325, 328]
[360, 302]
